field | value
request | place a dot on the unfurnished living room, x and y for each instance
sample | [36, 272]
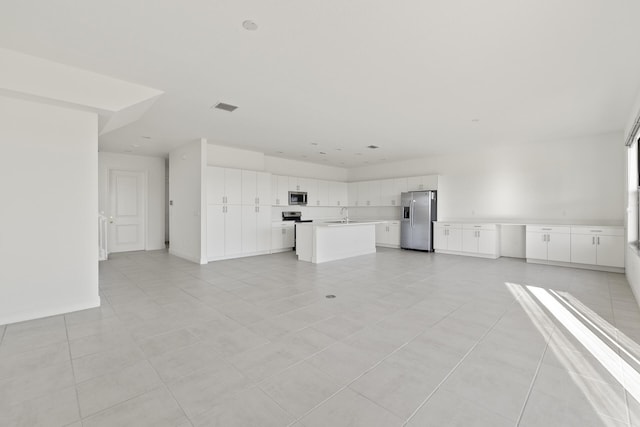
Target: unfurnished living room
[322, 213]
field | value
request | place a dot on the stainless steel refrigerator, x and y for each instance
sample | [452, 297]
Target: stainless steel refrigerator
[419, 210]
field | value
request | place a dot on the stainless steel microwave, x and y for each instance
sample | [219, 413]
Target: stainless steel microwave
[297, 197]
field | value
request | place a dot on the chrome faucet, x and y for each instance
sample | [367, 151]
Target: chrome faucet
[344, 209]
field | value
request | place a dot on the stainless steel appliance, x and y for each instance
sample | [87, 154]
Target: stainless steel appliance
[419, 210]
[297, 197]
[295, 216]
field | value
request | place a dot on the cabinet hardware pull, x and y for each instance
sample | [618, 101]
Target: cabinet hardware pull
[548, 237]
[598, 239]
[477, 226]
[593, 240]
[596, 231]
[547, 229]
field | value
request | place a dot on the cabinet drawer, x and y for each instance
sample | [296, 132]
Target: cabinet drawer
[478, 226]
[448, 225]
[595, 230]
[548, 229]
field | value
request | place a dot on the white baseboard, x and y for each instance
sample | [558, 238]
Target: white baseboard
[38, 313]
[574, 265]
[489, 256]
[184, 256]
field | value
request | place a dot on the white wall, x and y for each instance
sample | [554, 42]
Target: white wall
[187, 214]
[632, 259]
[155, 169]
[576, 180]
[278, 166]
[48, 220]
[228, 157]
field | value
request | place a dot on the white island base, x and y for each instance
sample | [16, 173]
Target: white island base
[322, 242]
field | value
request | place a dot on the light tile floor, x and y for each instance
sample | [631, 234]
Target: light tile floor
[411, 339]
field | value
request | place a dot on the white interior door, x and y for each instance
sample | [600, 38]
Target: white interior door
[127, 214]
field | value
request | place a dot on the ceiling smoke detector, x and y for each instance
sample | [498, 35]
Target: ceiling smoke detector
[226, 107]
[373, 147]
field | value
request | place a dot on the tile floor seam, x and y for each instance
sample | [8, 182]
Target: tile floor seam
[166, 386]
[73, 371]
[533, 380]
[368, 369]
[120, 403]
[456, 367]
[4, 331]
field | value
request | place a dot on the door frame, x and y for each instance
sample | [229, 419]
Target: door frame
[145, 201]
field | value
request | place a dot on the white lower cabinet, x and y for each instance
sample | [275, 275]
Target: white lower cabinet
[548, 243]
[282, 237]
[388, 234]
[447, 237]
[601, 246]
[256, 229]
[224, 231]
[467, 239]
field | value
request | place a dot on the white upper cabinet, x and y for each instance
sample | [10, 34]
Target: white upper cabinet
[256, 187]
[386, 192]
[399, 187]
[321, 197]
[352, 193]
[423, 182]
[279, 190]
[374, 193]
[337, 193]
[224, 186]
[294, 185]
[263, 188]
[364, 196]
[233, 186]
[215, 185]
[310, 186]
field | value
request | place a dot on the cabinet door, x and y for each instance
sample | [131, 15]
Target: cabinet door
[429, 182]
[439, 238]
[454, 239]
[536, 245]
[611, 251]
[386, 192]
[274, 190]
[293, 184]
[263, 187]
[248, 229]
[248, 187]
[469, 241]
[374, 193]
[583, 248]
[263, 228]
[559, 247]
[323, 193]
[394, 233]
[276, 238]
[414, 183]
[342, 199]
[283, 191]
[487, 242]
[233, 230]
[215, 231]
[364, 198]
[400, 186]
[288, 237]
[381, 233]
[215, 185]
[233, 186]
[352, 190]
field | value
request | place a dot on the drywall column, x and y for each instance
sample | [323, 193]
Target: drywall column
[187, 192]
[48, 216]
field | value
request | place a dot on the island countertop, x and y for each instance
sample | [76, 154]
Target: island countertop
[319, 242]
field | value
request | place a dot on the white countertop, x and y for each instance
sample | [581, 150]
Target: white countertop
[588, 223]
[337, 223]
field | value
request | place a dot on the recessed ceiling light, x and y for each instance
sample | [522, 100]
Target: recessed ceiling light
[475, 120]
[225, 107]
[145, 137]
[373, 147]
[322, 152]
[314, 143]
[249, 25]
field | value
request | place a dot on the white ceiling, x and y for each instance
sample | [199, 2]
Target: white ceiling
[415, 77]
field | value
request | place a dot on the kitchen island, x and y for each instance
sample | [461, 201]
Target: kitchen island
[319, 242]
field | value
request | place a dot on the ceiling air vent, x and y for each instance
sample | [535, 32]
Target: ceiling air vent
[225, 107]
[373, 147]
